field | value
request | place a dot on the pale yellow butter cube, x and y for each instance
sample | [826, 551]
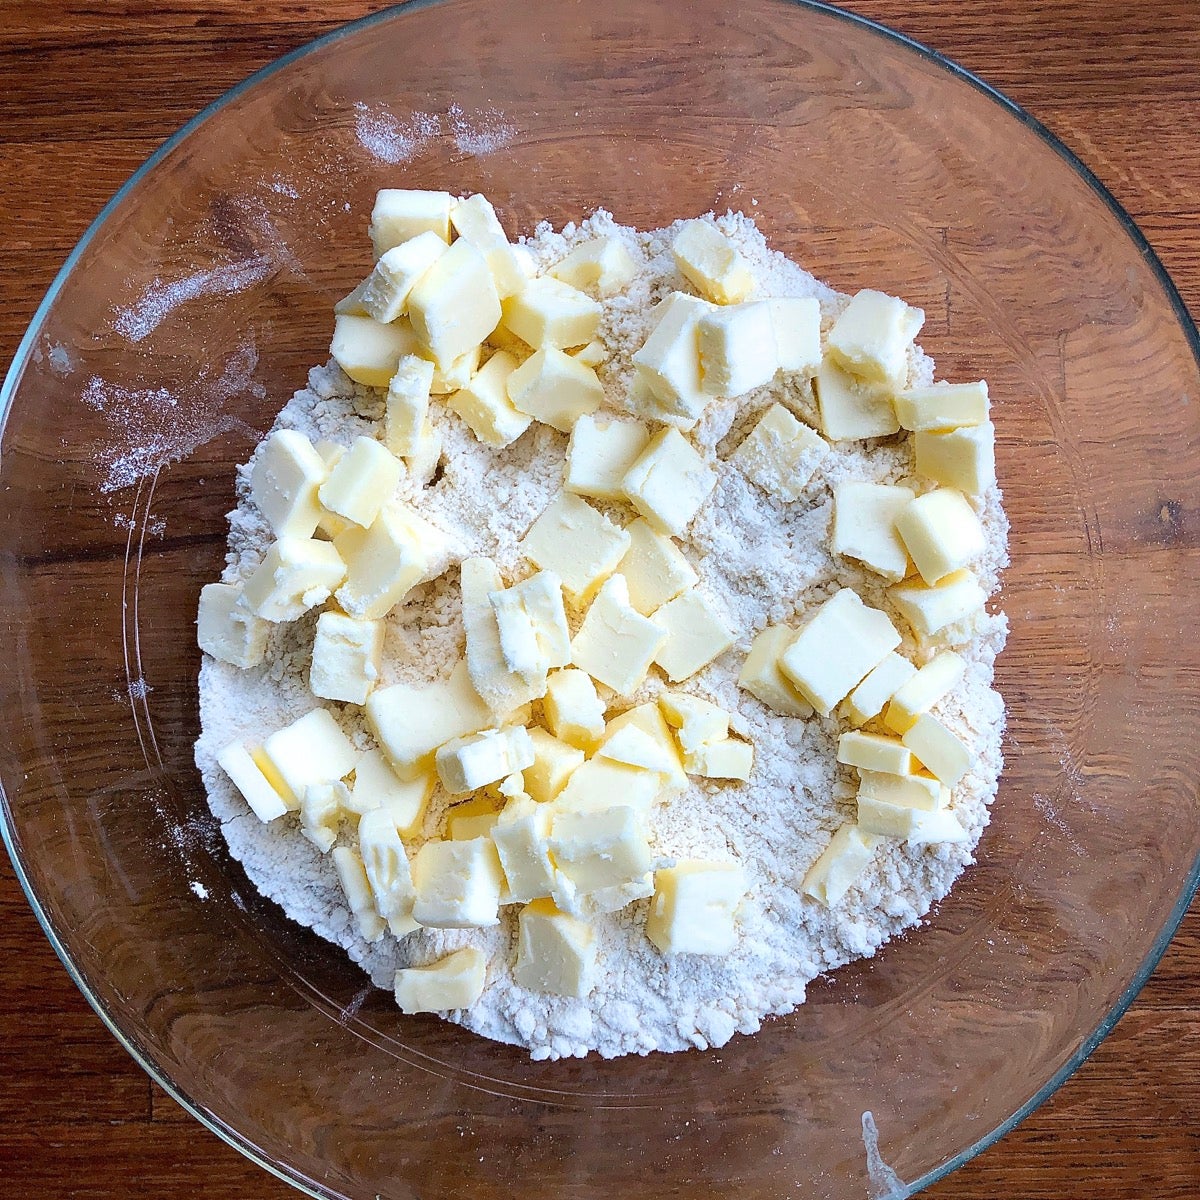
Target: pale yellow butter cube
[872, 337]
[694, 720]
[474, 818]
[601, 266]
[321, 808]
[296, 574]
[941, 533]
[362, 481]
[667, 366]
[457, 373]
[905, 791]
[938, 749]
[573, 710]
[532, 622]
[600, 453]
[960, 458]
[383, 562]
[917, 827]
[471, 762]
[878, 686]
[669, 482]
[454, 306]
[942, 406]
[388, 871]
[401, 214]
[377, 786]
[453, 982]
[502, 689]
[836, 648]
[728, 758]
[554, 388]
[556, 952]
[780, 454]
[851, 409]
[476, 222]
[554, 762]
[370, 351]
[227, 629]
[547, 313]
[696, 634]
[311, 750]
[654, 568]
[592, 355]
[407, 407]
[924, 689]
[599, 783]
[351, 304]
[840, 865]
[708, 260]
[600, 848]
[580, 545]
[615, 644]
[522, 839]
[238, 762]
[410, 721]
[386, 290]
[695, 907]
[634, 747]
[762, 677]
[425, 456]
[457, 884]
[930, 610]
[737, 348]
[649, 719]
[284, 480]
[352, 875]
[346, 658]
[485, 406]
[864, 526]
[797, 326]
[875, 752]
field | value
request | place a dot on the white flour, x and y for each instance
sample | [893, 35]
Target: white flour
[762, 561]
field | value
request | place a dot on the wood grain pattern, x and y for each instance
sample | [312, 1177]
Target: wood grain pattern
[88, 90]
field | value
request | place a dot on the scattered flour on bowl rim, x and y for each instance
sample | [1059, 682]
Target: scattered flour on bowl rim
[762, 561]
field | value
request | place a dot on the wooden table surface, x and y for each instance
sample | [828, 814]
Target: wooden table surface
[88, 89]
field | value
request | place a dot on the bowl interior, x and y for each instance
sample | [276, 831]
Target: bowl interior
[192, 314]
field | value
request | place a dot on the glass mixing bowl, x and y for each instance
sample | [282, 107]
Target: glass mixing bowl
[191, 311]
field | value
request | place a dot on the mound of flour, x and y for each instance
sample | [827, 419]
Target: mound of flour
[763, 561]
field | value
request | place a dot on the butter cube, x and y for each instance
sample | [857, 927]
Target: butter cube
[780, 454]
[410, 721]
[940, 751]
[265, 801]
[594, 354]
[485, 406]
[737, 348]
[554, 761]
[615, 644]
[669, 482]
[851, 409]
[474, 818]
[655, 569]
[386, 291]
[840, 865]
[362, 481]
[929, 610]
[352, 875]
[227, 629]
[407, 407]
[762, 677]
[377, 786]
[864, 526]
[905, 791]
[346, 658]
[454, 305]
[636, 748]
[311, 750]
[401, 214]
[321, 809]
[383, 563]
[877, 688]
[425, 456]
[696, 634]
[457, 373]
[502, 689]
[890, 820]
[476, 221]
[388, 872]
[548, 313]
[453, 982]
[959, 458]
[296, 574]
[556, 952]
[599, 783]
[572, 709]
[601, 266]
[941, 532]
[797, 326]
[600, 848]
[725, 759]
[351, 304]
[522, 839]
[833, 652]
[284, 480]
[370, 351]
[695, 906]
[942, 406]
[471, 762]
[600, 454]
[921, 691]
[554, 388]
[696, 721]
[649, 719]
[457, 884]
[667, 367]
[875, 752]
[707, 259]
[580, 545]
[532, 623]
[872, 337]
